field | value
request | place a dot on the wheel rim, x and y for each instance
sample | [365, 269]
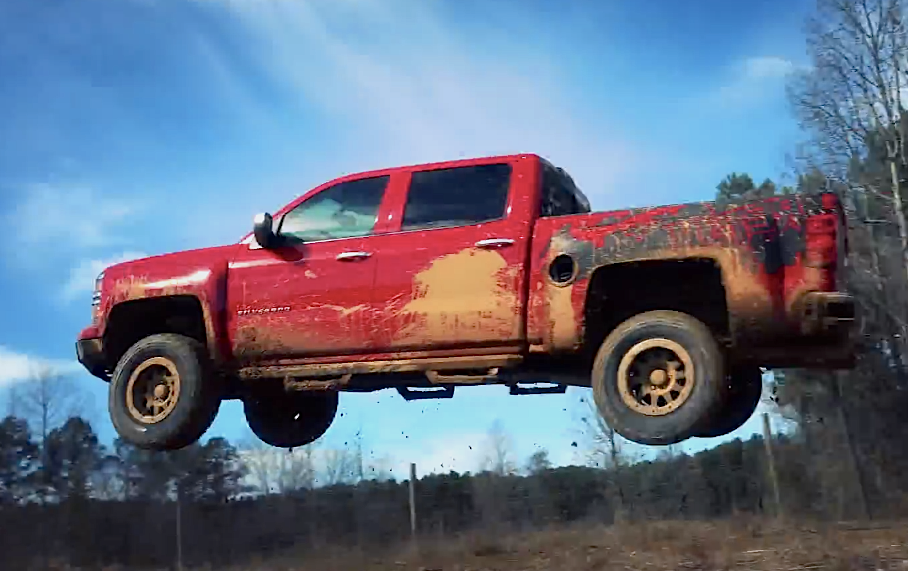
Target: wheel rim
[153, 390]
[655, 377]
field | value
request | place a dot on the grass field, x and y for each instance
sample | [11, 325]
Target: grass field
[653, 546]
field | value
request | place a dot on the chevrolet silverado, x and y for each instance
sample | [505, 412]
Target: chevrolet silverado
[483, 271]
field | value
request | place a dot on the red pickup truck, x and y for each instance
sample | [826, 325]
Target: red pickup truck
[482, 271]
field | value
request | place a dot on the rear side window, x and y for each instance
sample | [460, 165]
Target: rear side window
[456, 197]
[557, 197]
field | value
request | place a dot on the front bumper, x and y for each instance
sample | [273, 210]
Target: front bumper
[90, 353]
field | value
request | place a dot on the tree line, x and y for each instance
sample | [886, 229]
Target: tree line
[66, 497]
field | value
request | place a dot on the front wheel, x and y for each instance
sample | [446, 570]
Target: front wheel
[658, 376]
[290, 419]
[162, 395]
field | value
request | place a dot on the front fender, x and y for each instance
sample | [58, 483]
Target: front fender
[201, 274]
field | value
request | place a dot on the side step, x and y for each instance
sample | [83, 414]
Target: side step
[446, 377]
[447, 391]
[424, 394]
[535, 389]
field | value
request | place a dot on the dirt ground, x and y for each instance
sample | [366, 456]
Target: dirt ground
[654, 546]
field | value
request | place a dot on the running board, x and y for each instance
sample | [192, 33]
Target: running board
[442, 377]
[425, 394]
[535, 389]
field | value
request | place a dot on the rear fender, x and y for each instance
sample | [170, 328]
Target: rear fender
[743, 240]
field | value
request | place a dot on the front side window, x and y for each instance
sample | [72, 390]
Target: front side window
[345, 210]
[458, 196]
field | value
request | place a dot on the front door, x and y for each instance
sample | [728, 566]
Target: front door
[451, 276]
[311, 295]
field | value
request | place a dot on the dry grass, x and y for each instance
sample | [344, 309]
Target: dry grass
[653, 547]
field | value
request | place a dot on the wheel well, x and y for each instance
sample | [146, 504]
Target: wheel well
[133, 320]
[619, 291]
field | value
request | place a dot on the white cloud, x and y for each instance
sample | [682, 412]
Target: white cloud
[752, 80]
[404, 88]
[461, 452]
[69, 220]
[16, 366]
[82, 277]
[66, 217]
[767, 67]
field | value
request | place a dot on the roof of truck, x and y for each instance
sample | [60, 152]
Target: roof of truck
[450, 163]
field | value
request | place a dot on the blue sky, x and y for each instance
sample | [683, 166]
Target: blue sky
[134, 127]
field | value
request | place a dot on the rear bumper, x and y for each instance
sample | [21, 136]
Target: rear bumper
[90, 353]
[827, 314]
[821, 335]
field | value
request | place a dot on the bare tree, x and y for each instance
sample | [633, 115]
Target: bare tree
[603, 447]
[48, 398]
[274, 470]
[358, 457]
[499, 451]
[261, 473]
[851, 97]
[13, 404]
[851, 102]
[301, 469]
[380, 468]
[606, 449]
[338, 466]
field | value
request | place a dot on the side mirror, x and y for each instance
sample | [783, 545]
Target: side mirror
[263, 230]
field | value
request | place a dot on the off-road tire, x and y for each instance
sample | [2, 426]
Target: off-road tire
[743, 392]
[702, 400]
[196, 405]
[290, 419]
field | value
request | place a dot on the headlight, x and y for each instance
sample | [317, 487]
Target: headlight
[96, 299]
[96, 294]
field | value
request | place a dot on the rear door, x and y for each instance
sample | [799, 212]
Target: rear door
[312, 295]
[452, 274]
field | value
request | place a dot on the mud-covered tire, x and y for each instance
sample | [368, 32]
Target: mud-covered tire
[190, 408]
[290, 419]
[635, 338]
[743, 392]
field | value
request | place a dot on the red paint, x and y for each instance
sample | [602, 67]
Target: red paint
[300, 300]
[303, 304]
[830, 201]
[198, 273]
[90, 332]
[401, 256]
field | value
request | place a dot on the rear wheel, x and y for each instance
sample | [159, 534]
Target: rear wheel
[743, 392]
[658, 376]
[290, 419]
[162, 396]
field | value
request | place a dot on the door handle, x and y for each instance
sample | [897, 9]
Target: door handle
[494, 243]
[343, 256]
